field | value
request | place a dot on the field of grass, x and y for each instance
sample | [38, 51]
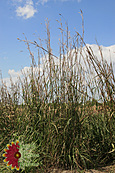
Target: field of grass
[71, 129]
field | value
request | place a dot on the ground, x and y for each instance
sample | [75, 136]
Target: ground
[106, 169]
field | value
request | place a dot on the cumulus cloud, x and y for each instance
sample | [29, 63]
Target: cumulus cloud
[13, 73]
[27, 11]
[108, 54]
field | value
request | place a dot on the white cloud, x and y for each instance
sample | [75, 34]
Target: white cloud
[27, 10]
[13, 73]
[108, 53]
[42, 1]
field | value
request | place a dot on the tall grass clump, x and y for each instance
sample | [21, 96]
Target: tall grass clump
[67, 109]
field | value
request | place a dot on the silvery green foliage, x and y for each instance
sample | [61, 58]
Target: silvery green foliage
[28, 157]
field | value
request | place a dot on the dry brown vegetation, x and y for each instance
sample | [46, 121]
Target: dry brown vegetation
[72, 129]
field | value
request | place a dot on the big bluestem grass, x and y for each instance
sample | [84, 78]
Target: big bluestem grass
[71, 128]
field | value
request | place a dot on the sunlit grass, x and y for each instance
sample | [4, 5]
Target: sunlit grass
[71, 128]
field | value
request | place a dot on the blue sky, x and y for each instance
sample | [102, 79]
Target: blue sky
[28, 17]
